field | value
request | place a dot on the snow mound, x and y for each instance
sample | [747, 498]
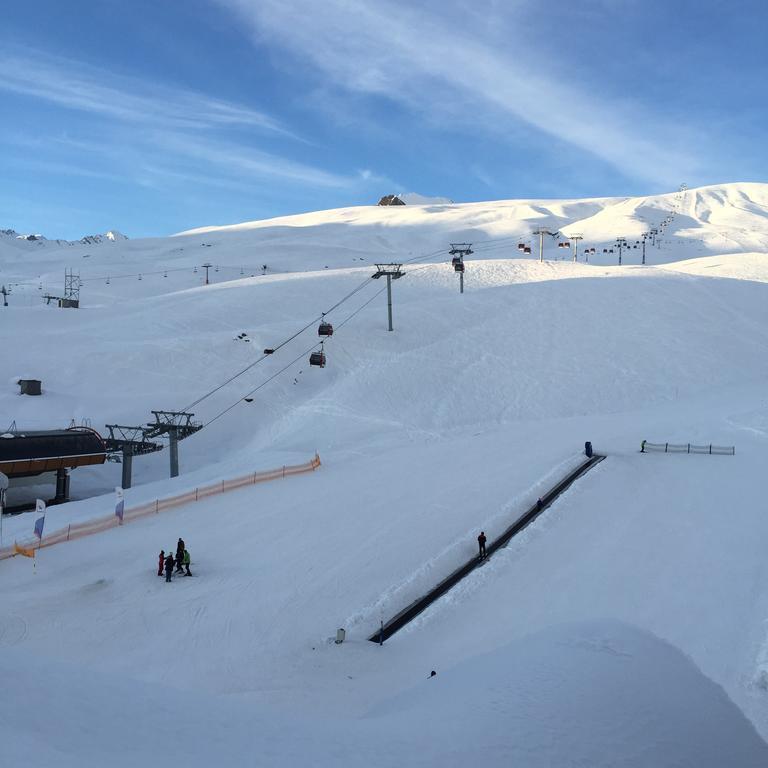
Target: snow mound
[597, 693]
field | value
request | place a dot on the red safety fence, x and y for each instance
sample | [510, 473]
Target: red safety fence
[96, 525]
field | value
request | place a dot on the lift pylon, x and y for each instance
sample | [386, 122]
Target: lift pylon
[177, 425]
[130, 442]
[391, 272]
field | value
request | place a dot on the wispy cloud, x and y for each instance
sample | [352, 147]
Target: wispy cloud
[75, 86]
[441, 58]
[145, 128]
[248, 162]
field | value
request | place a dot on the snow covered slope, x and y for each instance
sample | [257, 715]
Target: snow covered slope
[453, 423]
[554, 698]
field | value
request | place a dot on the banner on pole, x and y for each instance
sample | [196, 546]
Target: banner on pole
[120, 503]
[40, 522]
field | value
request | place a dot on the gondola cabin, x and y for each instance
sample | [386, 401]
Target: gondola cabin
[521, 246]
[325, 329]
[318, 359]
[459, 267]
[456, 260]
[527, 249]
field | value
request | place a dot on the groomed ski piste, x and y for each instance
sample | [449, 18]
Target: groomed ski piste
[627, 625]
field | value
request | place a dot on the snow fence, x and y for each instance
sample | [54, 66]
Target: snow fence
[722, 450]
[96, 525]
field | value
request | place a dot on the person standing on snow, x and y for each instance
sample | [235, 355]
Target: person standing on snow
[168, 566]
[186, 562]
[161, 563]
[481, 539]
[179, 555]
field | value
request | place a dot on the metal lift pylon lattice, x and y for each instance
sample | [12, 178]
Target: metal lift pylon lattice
[177, 425]
[392, 272]
[130, 442]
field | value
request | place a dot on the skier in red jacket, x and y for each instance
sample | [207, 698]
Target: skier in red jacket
[161, 563]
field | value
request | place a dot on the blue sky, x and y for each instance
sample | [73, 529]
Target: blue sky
[153, 116]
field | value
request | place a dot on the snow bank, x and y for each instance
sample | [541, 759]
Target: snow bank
[594, 693]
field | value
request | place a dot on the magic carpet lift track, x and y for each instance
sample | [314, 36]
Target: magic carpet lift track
[408, 614]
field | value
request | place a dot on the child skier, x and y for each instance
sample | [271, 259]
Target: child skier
[161, 563]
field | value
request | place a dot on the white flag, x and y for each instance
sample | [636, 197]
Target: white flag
[120, 503]
[40, 522]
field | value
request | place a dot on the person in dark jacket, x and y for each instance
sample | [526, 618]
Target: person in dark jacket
[168, 567]
[481, 539]
[187, 560]
[179, 555]
[161, 563]
[539, 505]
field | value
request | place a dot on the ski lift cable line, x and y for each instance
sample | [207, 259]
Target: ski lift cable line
[293, 362]
[279, 346]
[263, 383]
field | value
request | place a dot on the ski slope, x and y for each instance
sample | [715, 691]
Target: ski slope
[626, 626]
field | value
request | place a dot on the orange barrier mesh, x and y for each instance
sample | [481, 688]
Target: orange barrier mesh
[98, 524]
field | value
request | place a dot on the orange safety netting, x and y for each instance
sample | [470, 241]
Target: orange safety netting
[89, 527]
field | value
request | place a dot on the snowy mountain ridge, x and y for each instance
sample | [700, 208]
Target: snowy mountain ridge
[111, 235]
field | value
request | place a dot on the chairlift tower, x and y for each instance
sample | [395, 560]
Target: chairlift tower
[391, 272]
[541, 232]
[177, 425]
[621, 242]
[575, 239]
[130, 442]
[458, 252]
[644, 239]
[72, 285]
[206, 267]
